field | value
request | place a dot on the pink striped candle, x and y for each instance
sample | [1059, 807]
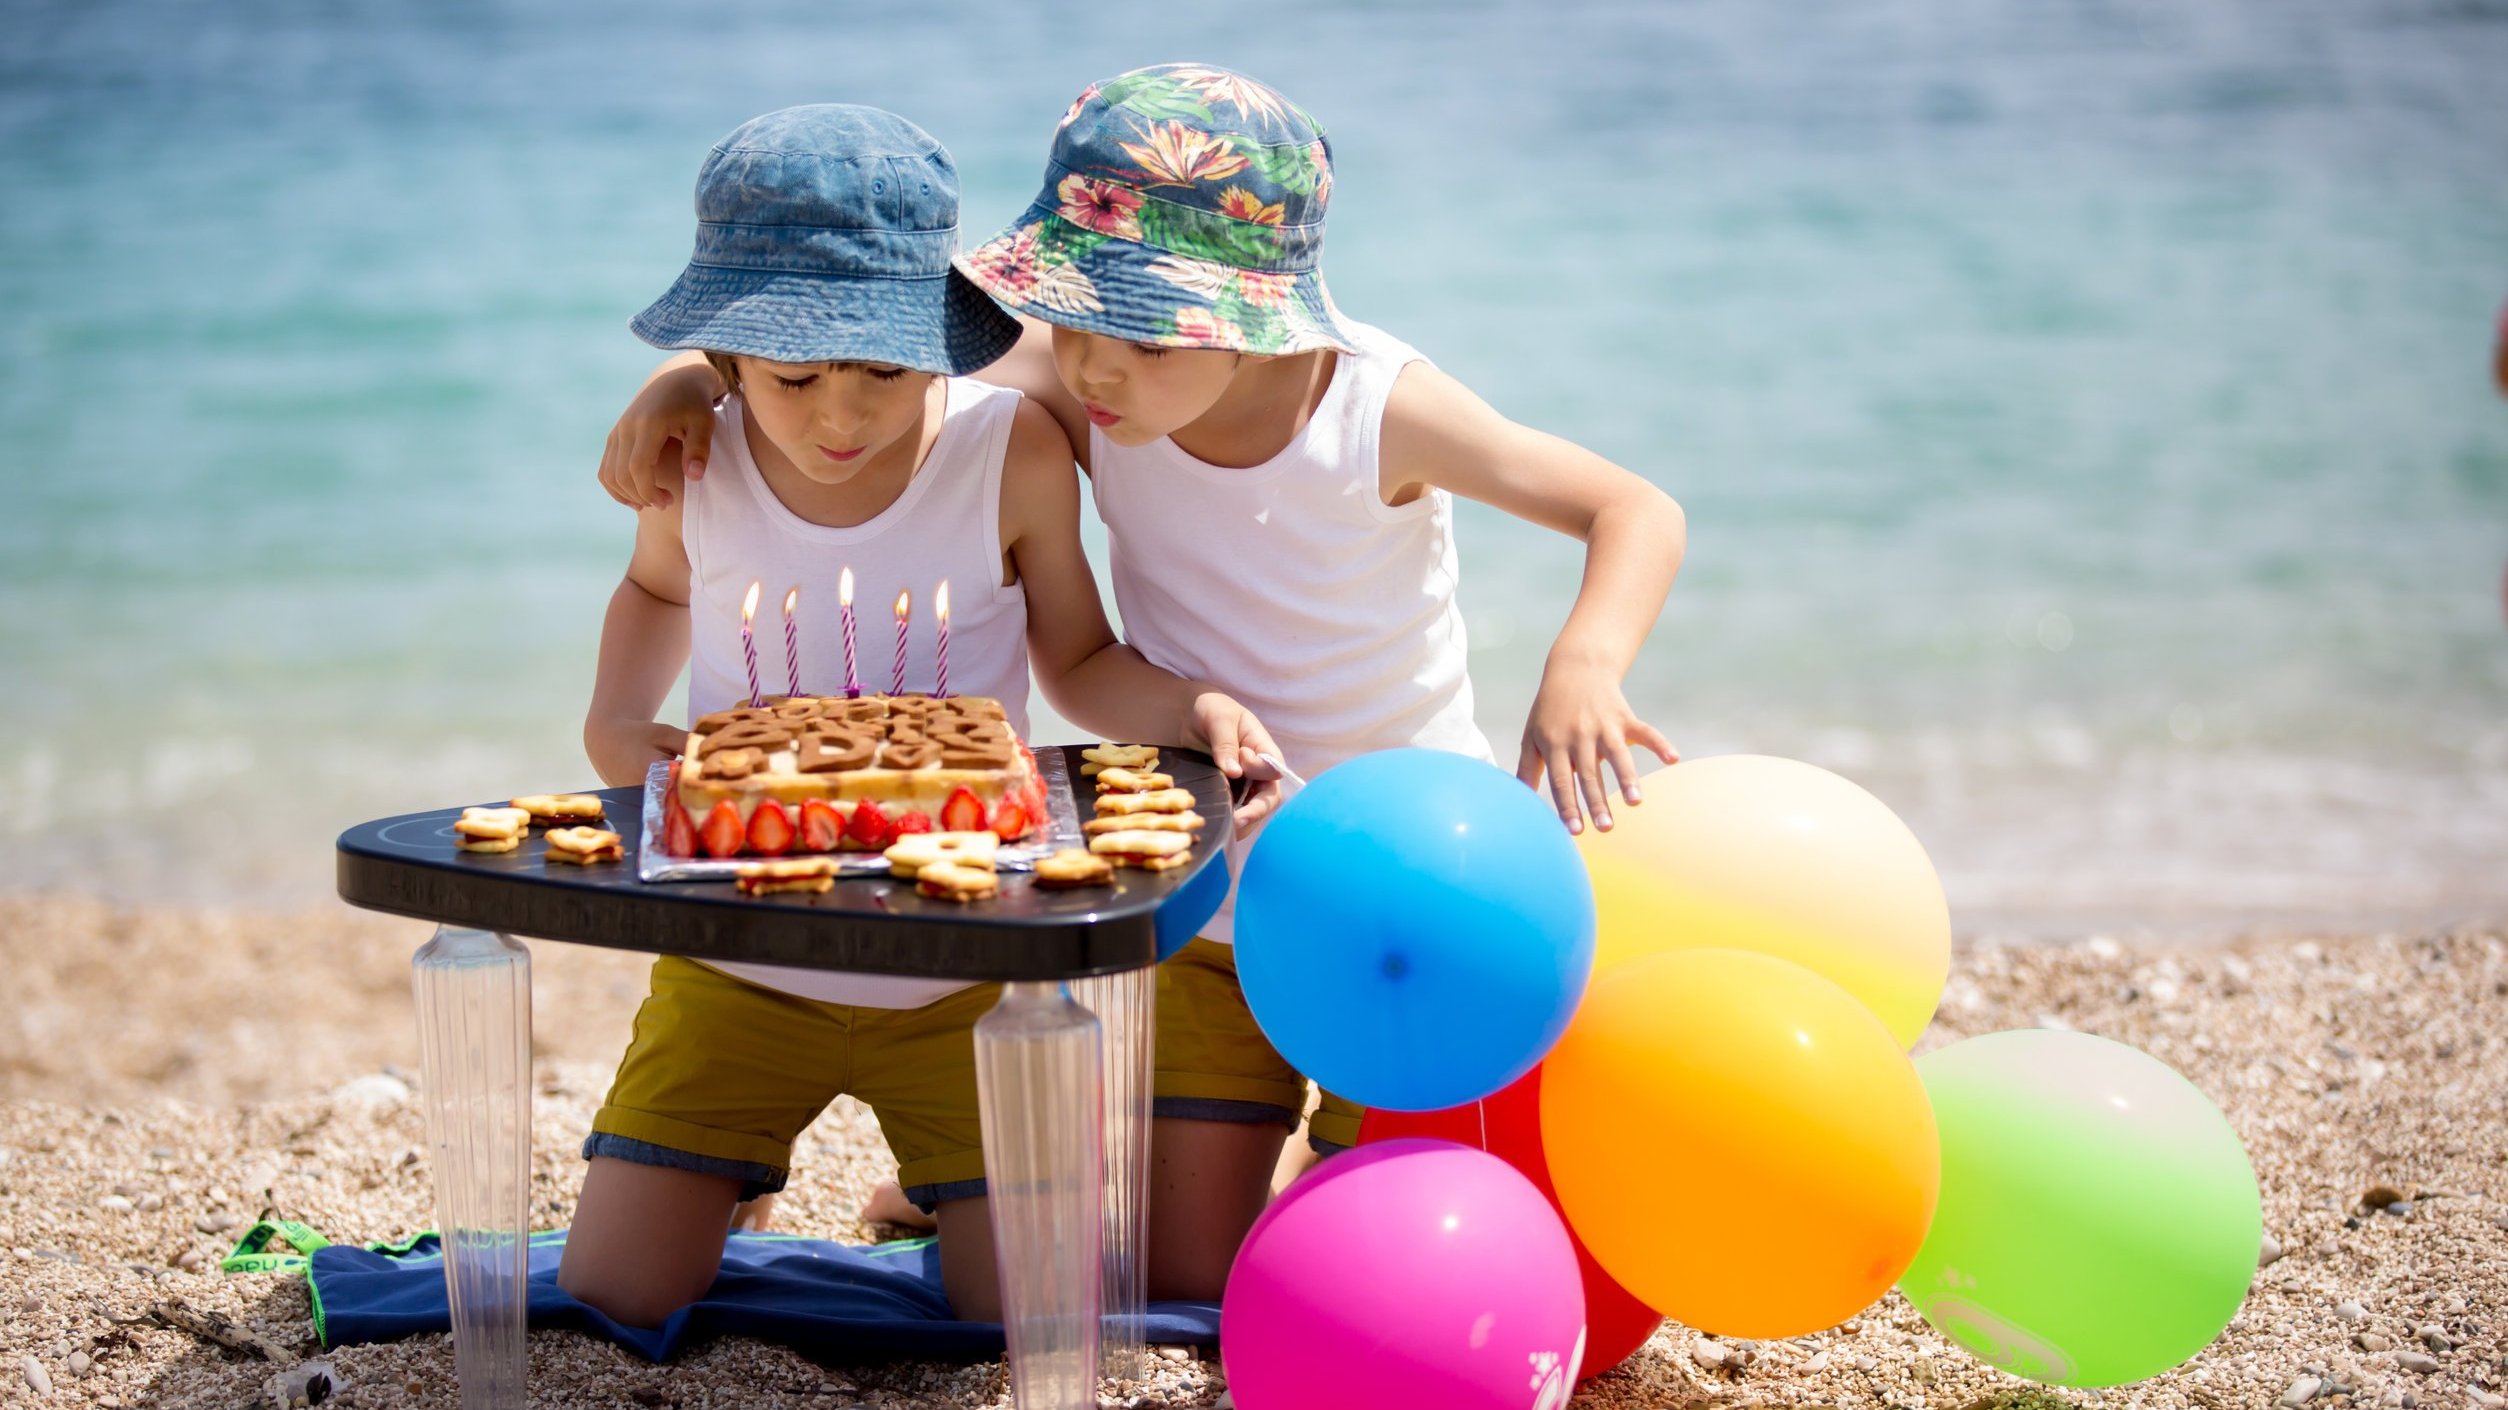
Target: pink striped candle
[844, 599]
[940, 607]
[897, 673]
[749, 644]
[792, 645]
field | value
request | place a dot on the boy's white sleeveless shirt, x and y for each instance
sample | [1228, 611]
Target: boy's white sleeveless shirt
[1293, 586]
[945, 526]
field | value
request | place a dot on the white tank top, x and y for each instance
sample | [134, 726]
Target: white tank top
[945, 526]
[1293, 586]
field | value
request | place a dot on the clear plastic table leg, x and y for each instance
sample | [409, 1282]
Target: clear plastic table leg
[1039, 1082]
[474, 1042]
[1126, 1008]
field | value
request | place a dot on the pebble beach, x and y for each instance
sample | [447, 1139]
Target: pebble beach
[167, 1076]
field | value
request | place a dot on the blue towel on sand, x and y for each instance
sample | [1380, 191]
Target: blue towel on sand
[835, 1303]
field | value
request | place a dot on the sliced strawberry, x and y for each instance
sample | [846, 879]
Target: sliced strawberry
[964, 812]
[822, 827]
[1009, 820]
[869, 827]
[679, 831]
[915, 820]
[722, 834]
[770, 829]
[673, 781]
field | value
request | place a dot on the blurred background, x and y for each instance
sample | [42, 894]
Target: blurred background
[2083, 410]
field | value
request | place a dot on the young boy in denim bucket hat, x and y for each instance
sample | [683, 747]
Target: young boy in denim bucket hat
[821, 292]
[1278, 483]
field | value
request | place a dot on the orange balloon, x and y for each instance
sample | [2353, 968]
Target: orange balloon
[1739, 1142]
[1749, 852]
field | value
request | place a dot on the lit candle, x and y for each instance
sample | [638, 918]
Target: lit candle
[940, 607]
[749, 645]
[844, 599]
[792, 645]
[897, 673]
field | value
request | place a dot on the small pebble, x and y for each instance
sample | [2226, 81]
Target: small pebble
[2489, 1401]
[150, 1204]
[2452, 1306]
[36, 1377]
[1175, 1353]
[2418, 1362]
[1817, 1364]
[2301, 1391]
[116, 1204]
[2380, 1196]
[215, 1223]
[188, 1260]
[30, 1305]
[2373, 1341]
[2401, 1209]
[2350, 1311]
[1924, 1372]
[1708, 1354]
[2270, 1254]
[1866, 1363]
[2434, 1337]
[79, 1362]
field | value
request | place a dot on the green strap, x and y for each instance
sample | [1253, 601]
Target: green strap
[252, 1252]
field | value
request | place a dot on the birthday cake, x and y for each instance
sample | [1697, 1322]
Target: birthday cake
[831, 773]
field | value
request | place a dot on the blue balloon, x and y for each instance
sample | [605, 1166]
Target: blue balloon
[1414, 929]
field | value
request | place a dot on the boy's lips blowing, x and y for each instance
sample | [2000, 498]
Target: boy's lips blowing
[1099, 414]
[840, 456]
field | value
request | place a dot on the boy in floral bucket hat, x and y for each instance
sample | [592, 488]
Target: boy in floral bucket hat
[1278, 485]
[845, 440]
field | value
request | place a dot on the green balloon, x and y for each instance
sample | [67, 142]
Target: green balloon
[2098, 1221]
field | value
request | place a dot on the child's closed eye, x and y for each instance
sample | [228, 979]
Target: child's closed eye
[1149, 350]
[794, 384]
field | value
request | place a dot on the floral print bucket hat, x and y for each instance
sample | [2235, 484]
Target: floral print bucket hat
[1184, 208]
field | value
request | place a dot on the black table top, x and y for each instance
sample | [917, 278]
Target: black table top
[872, 924]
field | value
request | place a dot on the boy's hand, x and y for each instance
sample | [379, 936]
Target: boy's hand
[668, 429]
[622, 749]
[1237, 740]
[1580, 720]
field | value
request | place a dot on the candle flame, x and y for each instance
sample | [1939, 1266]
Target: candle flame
[903, 599]
[791, 599]
[940, 604]
[749, 605]
[844, 588]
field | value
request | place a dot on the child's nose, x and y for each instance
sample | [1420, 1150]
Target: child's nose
[1098, 365]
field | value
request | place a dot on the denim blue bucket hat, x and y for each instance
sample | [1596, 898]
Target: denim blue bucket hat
[825, 234]
[1184, 208]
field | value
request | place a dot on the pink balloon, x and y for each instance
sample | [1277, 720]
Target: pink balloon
[1409, 1272]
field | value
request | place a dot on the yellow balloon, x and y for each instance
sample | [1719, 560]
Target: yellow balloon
[1739, 1142]
[1749, 852]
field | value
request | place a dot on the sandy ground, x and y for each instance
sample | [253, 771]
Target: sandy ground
[168, 1076]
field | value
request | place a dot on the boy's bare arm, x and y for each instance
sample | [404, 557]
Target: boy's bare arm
[644, 643]
[1028, 368]
[667, 431]
[1437, 433]
[1097, 682]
